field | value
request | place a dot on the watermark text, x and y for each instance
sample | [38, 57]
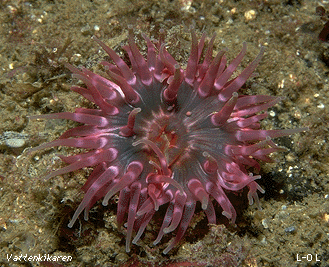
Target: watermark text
[308, 257]
[39, 257]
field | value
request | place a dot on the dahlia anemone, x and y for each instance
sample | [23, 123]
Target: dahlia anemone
[167, 135]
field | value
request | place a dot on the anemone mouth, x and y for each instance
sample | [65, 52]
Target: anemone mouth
[167, 132]
[164, 135]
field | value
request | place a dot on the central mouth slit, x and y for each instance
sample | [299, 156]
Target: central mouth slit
[166, 135]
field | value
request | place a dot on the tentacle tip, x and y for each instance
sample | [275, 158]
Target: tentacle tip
[30, 150]
[71, 223]
[205, 202]
[250, 199]
[261, 189]
[227, 215]
[169, 247]
[166, 96]
[134, 101]
[130, 28]
[136, 143]
[204, 206]
[47, 177]
[139, 213]
[262, 49]
[181, 192]
[235, 95]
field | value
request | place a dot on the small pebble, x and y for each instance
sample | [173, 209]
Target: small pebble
[15, 143]
[13, 139]
[250, 15]
[264, 223]
[290, 229]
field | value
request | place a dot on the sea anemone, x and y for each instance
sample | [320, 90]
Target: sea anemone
[167, 135]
